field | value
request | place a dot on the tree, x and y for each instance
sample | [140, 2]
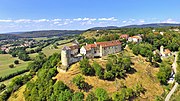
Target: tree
[91, 97]
[177, 77]
[11, 66]
[164, 72]
[78, 96]
[101, 94]
[16, 62]
[108, 75]
[65, 95]
[78, 80]
[98, 70]
[85, 67]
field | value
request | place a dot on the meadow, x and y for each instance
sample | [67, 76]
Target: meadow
[6, 60]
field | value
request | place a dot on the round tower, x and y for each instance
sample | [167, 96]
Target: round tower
[65, 56]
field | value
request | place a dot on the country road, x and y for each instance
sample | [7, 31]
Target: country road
[174, 65]
[171, 92]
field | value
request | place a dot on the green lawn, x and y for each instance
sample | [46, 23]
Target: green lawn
[6, 60]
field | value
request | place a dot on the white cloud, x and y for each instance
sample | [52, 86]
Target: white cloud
[142, 21]
[56, 23]
[170, 21]
[6, 20]
[56, 20]
[108, 19]
[41, 20]
[124, 21]
[22, 21]
[77, 19]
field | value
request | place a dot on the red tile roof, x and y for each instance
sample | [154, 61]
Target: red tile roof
[124, 36]
[89, 46]
[109, 43]
[167, 51]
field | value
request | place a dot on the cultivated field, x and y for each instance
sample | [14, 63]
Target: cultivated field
[6, 60]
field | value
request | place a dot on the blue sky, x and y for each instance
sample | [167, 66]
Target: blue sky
[27, 15]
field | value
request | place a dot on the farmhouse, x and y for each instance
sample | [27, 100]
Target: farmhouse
[136, 39]
[124, 36]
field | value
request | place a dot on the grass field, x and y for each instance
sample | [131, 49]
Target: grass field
[6, 60]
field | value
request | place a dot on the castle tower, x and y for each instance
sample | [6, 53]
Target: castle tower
[162, 49]
[65, 56]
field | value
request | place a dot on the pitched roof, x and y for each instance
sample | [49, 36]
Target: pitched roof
[167, 51]
[109, 43]
[73, 47]
[90, 46]
[137, 37]
[124, 36]
[70, 47]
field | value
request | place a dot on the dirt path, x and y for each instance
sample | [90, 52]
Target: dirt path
[176, 84]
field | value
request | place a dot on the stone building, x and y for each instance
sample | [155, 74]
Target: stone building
[73, 54]
[69, 55]
[99, 49]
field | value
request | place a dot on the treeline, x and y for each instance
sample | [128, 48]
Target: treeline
[20, 52]
[108, 37]
[15, 84]
[13, 75]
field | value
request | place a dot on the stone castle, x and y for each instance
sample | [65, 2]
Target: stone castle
[73, 54]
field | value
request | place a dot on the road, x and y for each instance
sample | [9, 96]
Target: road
[174, 65]
[171, 92]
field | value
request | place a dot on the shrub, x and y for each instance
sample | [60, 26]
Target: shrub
[16, 62]
[11, 66]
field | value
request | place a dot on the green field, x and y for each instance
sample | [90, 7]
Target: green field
[44, 38]
[49, 50]
[6, 60]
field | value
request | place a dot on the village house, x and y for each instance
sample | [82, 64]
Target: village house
[136, 39]
[165, 52]
[124, 36]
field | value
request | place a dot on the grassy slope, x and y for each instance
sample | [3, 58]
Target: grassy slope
[6, 60]
[18, 95]
[148, 79]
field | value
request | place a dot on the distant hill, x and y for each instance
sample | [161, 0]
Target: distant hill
[34, 34]
[151, 25]
[49, 33]
[103, 28]
[154, 25]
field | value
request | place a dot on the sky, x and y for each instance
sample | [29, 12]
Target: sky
[30, 15]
